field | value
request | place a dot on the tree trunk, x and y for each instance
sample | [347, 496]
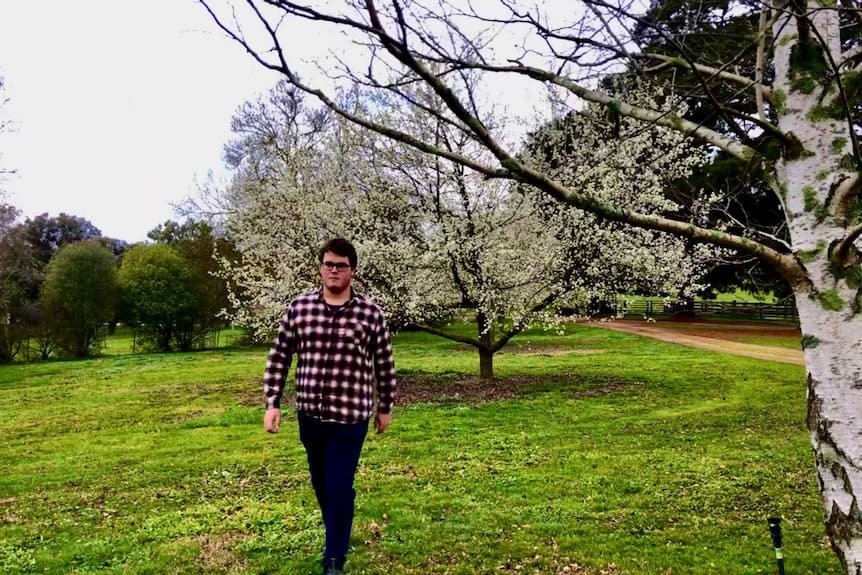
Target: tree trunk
[486, 364]
[809, 183]
[833, 356]
[486, 354]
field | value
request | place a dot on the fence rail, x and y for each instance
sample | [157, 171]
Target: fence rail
[729, 309]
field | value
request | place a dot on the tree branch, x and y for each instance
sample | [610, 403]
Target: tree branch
[844, 194]
[840, 256]
[713, 72]
[450, 335]
[521, 324]
[731, 146]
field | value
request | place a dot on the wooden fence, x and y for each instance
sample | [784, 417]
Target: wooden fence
[728, 309]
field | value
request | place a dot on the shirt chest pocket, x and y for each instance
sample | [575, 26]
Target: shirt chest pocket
[349, 335]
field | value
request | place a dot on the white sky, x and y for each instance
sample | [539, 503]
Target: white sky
[121, 107]
[118, 105]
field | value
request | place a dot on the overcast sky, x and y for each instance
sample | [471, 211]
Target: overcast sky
[119, 106]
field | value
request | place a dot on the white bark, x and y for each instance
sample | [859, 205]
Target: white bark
[834, 363]
[832, 331]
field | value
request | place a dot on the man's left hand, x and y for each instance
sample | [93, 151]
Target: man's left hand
[381, 421]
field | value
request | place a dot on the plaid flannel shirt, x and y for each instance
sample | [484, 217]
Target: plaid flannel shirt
[340, 358]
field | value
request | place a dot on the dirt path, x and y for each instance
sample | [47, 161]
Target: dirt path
[716, 337]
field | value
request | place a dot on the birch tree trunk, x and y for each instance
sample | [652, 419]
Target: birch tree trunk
[810, 184]
[834, 360]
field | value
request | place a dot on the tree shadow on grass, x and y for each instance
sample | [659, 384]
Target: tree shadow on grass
[458, 389]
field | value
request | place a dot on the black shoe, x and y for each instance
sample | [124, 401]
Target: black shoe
[330, 568]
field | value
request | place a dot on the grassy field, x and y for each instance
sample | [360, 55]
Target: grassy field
[596, 452]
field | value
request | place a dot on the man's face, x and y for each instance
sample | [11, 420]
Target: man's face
[336, 273]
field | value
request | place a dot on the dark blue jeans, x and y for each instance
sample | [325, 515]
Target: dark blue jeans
[333, 455]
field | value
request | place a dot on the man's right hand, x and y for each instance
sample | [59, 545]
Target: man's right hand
[272, 420]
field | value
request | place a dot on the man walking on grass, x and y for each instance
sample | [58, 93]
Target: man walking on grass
[343, 352]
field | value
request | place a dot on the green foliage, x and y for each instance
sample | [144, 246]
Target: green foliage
[813, 205]
[838, 144]
[196, 243]
[805, 84]
[852, 84]
[785, 40]
[780, 99]
[771, 149]
[810, 341]
[822, 175]
[854, 211]
[47, 234]
[807, 67]
[19, 280]
[144, 475]
[79, 295]
[810, 198]
[807, 59]
[831, 300]
[853, 276]
[822, 112]
[808, 256]
[157, 293]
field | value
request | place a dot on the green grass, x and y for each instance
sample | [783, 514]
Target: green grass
[615, 450]
[788, 342]
[744, 296]
[124, 341]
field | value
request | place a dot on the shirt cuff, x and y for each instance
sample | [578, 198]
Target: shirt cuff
[274, 402]
[384, 408]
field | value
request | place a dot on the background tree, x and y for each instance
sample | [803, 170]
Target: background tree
[47, 234]
[747, 204]
[79, 295]
[16, 269]
[157, 295]
[18, 274]
[300, 181]
[511, 257]
[197, 244]
[435, 240]
[806, 92]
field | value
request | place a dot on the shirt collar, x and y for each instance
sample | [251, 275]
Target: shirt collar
[349, 302]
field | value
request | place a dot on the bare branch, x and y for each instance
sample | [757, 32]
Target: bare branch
[714, 72]
[731, 146]
[759, 89]
[842, 251]
[844, 194]
[517, 170]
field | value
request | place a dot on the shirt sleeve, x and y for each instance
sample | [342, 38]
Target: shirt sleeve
[278, 361]
[384, 368]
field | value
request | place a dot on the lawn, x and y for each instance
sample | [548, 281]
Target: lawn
[595, 452]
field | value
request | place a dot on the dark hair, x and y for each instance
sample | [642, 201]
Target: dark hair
[339, 247]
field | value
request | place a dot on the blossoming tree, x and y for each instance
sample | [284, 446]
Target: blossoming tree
[436, 240]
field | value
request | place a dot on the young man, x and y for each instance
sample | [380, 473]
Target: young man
[343, 352]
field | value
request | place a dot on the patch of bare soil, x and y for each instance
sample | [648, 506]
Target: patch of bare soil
[535, 349]
[721, 337]
[472, 390]
[217, 553]
[548, 350]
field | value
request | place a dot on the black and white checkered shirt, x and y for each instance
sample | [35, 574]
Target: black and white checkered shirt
[341, 355]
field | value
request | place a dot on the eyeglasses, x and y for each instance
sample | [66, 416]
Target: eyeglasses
[336, 266]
